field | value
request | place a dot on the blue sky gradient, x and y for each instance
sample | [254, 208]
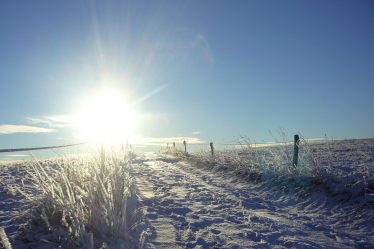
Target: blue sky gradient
[222, 68]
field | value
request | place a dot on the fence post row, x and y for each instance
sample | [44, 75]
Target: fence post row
[296, 150]
[295, 158]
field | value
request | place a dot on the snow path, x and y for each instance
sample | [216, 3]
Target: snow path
[188, 207]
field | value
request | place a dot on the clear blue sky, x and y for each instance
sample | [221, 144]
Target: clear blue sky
[222, 68]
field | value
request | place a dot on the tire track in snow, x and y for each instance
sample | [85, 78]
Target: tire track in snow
[188, 207]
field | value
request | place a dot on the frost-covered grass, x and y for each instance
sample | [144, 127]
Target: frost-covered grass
[340, 166]
[4, 239]
[83, 202]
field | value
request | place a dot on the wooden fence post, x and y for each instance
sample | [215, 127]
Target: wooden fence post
[212, 148]
[296, 150]
[185, 146]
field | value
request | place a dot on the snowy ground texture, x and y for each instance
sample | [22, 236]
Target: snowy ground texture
[186, 205]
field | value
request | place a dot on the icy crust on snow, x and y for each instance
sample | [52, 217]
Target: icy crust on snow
[190, 207]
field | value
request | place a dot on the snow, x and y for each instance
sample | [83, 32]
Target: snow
[189, 205]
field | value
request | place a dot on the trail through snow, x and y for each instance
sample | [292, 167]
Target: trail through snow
[189, 207]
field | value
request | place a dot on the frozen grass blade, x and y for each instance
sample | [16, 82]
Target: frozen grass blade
[4, 239]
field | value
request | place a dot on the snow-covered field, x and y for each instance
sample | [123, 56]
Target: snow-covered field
[205, 202]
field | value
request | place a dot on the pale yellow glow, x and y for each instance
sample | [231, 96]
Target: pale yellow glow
[106, 118]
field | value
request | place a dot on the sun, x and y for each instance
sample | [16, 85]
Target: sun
[106, 118]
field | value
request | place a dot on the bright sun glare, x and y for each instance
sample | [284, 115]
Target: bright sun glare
[106, 118]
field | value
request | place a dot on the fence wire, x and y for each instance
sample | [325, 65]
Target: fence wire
[39, 148]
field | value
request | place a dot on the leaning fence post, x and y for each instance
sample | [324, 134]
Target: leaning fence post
[212, 148]
[185, 146]
[296, 150]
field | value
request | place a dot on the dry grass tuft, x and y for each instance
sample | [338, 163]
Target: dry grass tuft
[90, 202]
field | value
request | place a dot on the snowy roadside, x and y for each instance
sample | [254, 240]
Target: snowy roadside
[188, 207]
